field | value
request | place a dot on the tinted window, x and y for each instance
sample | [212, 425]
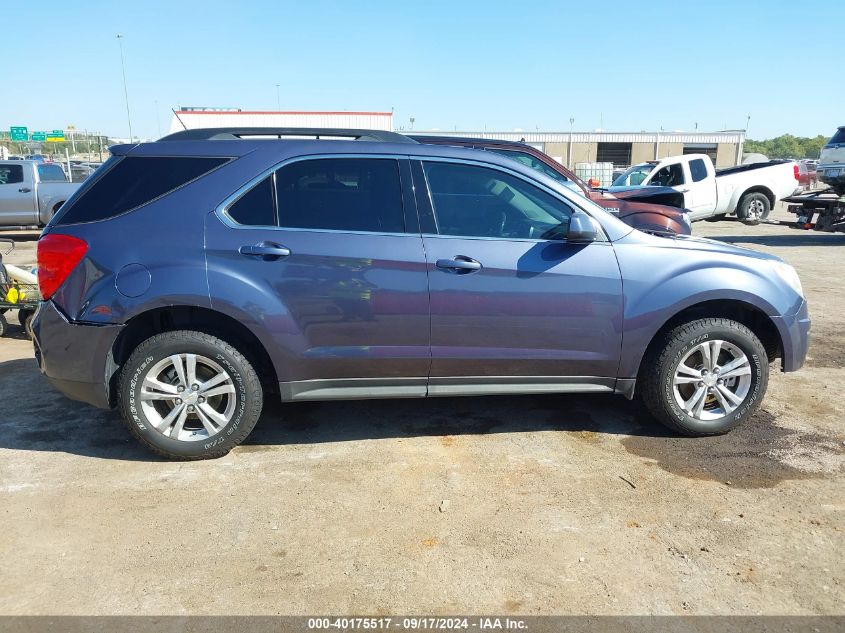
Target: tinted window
[669, 176]
[838, 137]
[481, 202]
[255, 207]
[51, 173]
[345, 194]
[134, 181]
[698, 170]
[11, 174]
[534, 163]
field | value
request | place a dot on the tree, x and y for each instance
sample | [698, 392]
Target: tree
[788, 146]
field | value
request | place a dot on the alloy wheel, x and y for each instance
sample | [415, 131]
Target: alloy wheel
[712, 380]
[188, 397]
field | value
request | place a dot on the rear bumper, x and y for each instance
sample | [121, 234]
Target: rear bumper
[795, 336]
[74, 357]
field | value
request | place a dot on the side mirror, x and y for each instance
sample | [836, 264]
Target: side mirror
[581, 228]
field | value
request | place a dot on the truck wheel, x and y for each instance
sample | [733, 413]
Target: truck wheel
[4, 325]
[753, 208]
[189, 395]
[25, 319]
[705, 377]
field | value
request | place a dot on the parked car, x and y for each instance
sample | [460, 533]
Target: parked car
[31, 192]
[831, 168]
[191, 276]
[806, 174]
[749, 191]
[656, 209]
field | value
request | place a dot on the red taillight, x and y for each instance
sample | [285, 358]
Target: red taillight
[797, 176]
[57, 256]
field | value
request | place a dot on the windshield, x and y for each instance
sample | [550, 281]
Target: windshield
[634, 175]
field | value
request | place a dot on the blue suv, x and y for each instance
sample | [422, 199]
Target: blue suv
[191, 276]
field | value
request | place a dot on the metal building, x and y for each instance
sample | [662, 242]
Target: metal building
[189, 118]
[624, 148]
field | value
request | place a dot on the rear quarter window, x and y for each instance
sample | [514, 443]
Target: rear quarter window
[51, 173]
[134, 181]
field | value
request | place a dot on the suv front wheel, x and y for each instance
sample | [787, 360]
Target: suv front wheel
[189, 395]
[705, 377]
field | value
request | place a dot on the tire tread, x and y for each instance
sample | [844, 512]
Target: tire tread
[660, 353]
[249, 376]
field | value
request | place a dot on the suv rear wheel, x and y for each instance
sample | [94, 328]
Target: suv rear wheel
[705, 377]
[189, 395]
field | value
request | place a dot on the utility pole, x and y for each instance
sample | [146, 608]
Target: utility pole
[569, 158]
[278, 100]
[125, 91]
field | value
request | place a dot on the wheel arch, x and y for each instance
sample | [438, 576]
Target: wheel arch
[166, 319]
[755, 189]
[737, 310]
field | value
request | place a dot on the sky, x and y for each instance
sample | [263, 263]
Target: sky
[467, 65]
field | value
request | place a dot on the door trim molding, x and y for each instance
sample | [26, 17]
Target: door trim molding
[376, 388]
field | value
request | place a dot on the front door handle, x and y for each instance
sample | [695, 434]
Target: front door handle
[460, 264]
[25, 190]
[268, 250]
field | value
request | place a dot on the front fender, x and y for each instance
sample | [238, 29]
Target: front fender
[660, 282]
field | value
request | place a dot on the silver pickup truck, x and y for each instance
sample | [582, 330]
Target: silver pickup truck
[31, 192]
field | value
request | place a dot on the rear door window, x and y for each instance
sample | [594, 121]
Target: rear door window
[342, 194]
[256, 207]
[135, 181]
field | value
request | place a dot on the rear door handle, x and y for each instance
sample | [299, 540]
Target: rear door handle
[25, 190]
[268, 250]
[460, 264]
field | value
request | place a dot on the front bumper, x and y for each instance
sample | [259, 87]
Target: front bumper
[75, 357]
[795, 336]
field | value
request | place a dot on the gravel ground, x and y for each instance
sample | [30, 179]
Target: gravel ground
[524, 505]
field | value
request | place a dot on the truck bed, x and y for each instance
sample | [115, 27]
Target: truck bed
[737, 169]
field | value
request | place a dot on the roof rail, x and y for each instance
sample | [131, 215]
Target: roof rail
[232, 133]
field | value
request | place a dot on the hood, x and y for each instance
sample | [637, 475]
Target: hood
[648, 193]
[702, 244]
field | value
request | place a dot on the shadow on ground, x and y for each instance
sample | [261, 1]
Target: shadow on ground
[42, 419]
[37, 418]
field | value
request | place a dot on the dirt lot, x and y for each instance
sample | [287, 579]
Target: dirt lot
[530, 505]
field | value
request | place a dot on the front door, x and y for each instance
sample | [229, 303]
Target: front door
[701, 190]
[17, 198]
[318, 257]
[514, 306]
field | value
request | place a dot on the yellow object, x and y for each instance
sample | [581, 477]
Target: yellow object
[13, 295]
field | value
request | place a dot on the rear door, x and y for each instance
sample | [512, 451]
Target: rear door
[321, 257]
[514, 306]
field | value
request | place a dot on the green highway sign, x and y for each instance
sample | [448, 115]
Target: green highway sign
[19, 133]
[56, 136]
[39, 136]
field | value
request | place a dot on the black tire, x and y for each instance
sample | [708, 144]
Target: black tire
[717, 218]
[753, 208]
[4, 325]
[248, 394]
[658, 369]
[25, 319]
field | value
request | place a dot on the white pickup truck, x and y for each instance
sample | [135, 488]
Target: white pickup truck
[749, 191]
[31, 192]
